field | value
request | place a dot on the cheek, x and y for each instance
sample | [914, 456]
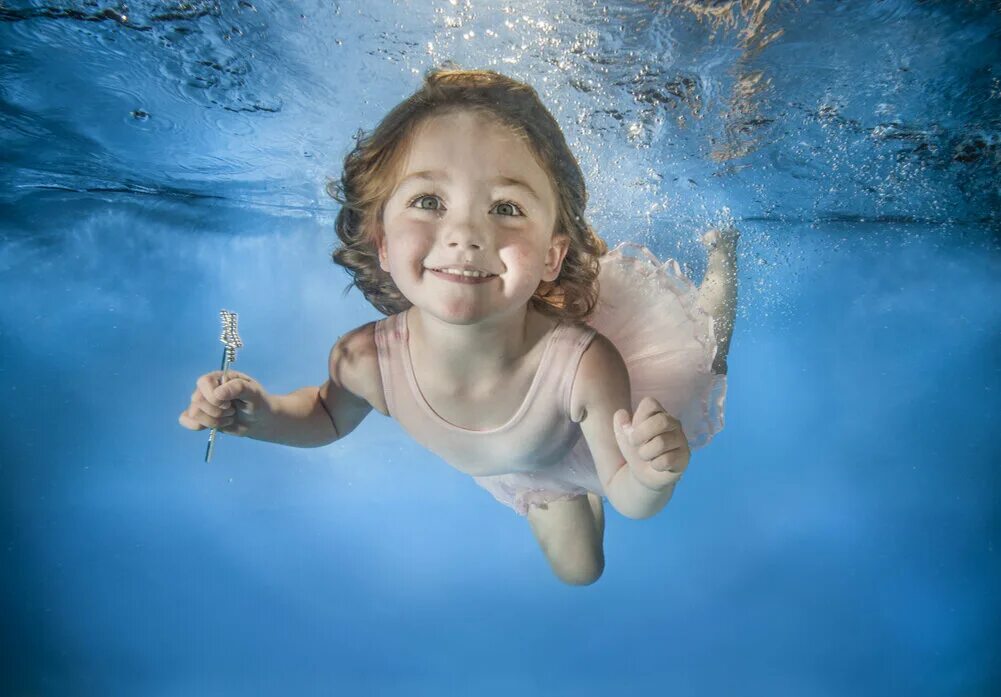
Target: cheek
[524, 269]
[520, 257]
[407, 250]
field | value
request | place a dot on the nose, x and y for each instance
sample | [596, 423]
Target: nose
[463, 232]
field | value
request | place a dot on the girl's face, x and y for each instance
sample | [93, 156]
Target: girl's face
[470, 194]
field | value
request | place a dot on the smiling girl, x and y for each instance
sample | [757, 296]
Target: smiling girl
[516, 346]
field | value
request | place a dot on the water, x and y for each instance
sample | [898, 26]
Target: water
[165, 160]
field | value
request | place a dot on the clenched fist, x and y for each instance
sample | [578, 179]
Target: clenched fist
[234, 407]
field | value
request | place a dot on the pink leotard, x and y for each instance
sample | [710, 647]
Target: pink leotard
[533, 458]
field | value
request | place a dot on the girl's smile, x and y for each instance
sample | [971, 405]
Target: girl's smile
[460, 278]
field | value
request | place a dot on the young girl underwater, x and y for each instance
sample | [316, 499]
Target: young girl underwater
[516, 346]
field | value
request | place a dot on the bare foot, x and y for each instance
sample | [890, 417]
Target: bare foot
[723, 240]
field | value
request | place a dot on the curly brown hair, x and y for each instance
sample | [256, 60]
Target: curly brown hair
[372, 168]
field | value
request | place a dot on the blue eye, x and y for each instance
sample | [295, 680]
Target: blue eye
[424, 196]
[512, 206]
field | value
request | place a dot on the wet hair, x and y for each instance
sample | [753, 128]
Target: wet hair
[372, 167]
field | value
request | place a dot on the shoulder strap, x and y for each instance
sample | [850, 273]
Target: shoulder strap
[388, 352]
[576, 339]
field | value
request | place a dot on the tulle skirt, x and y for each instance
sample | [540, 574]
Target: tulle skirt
[650, 311]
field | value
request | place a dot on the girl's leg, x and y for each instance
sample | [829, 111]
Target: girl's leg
[570, 533]
[598, 511]
[718, 292]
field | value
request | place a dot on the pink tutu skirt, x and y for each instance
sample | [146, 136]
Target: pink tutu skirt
[650, 311]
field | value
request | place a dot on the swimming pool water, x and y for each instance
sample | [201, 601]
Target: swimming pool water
[163, 160]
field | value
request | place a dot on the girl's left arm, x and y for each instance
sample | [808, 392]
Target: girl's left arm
[638, 479]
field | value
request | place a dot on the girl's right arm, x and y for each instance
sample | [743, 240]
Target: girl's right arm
[308, 417]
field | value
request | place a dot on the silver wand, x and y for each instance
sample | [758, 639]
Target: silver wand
[231, 338]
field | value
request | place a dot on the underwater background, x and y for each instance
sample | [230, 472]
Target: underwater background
[164, 160]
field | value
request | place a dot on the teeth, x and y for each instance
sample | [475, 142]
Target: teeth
[460, 272]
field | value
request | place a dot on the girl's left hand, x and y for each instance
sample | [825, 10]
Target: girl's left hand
[653, 444]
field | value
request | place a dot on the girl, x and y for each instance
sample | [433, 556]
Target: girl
[516, 347]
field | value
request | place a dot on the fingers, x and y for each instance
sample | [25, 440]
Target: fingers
[661, 443]
[657, 424]
[196, 418]
[659, 438]
[238, 386]
[208, 408]
[200, 403]
[188, 422]
[647, 407]
[673, 462]
[664, 451]
[206, 388]
[208, 383]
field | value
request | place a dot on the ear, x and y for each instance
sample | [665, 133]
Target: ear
[555, 255]
[383, 256]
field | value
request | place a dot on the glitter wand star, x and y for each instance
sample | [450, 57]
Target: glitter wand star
[231, 338]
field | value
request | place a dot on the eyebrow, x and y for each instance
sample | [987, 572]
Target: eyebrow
[432, 174]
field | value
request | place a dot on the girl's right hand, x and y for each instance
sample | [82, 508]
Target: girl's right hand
[235, 407]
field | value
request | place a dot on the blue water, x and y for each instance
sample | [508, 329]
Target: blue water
[163, 160]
